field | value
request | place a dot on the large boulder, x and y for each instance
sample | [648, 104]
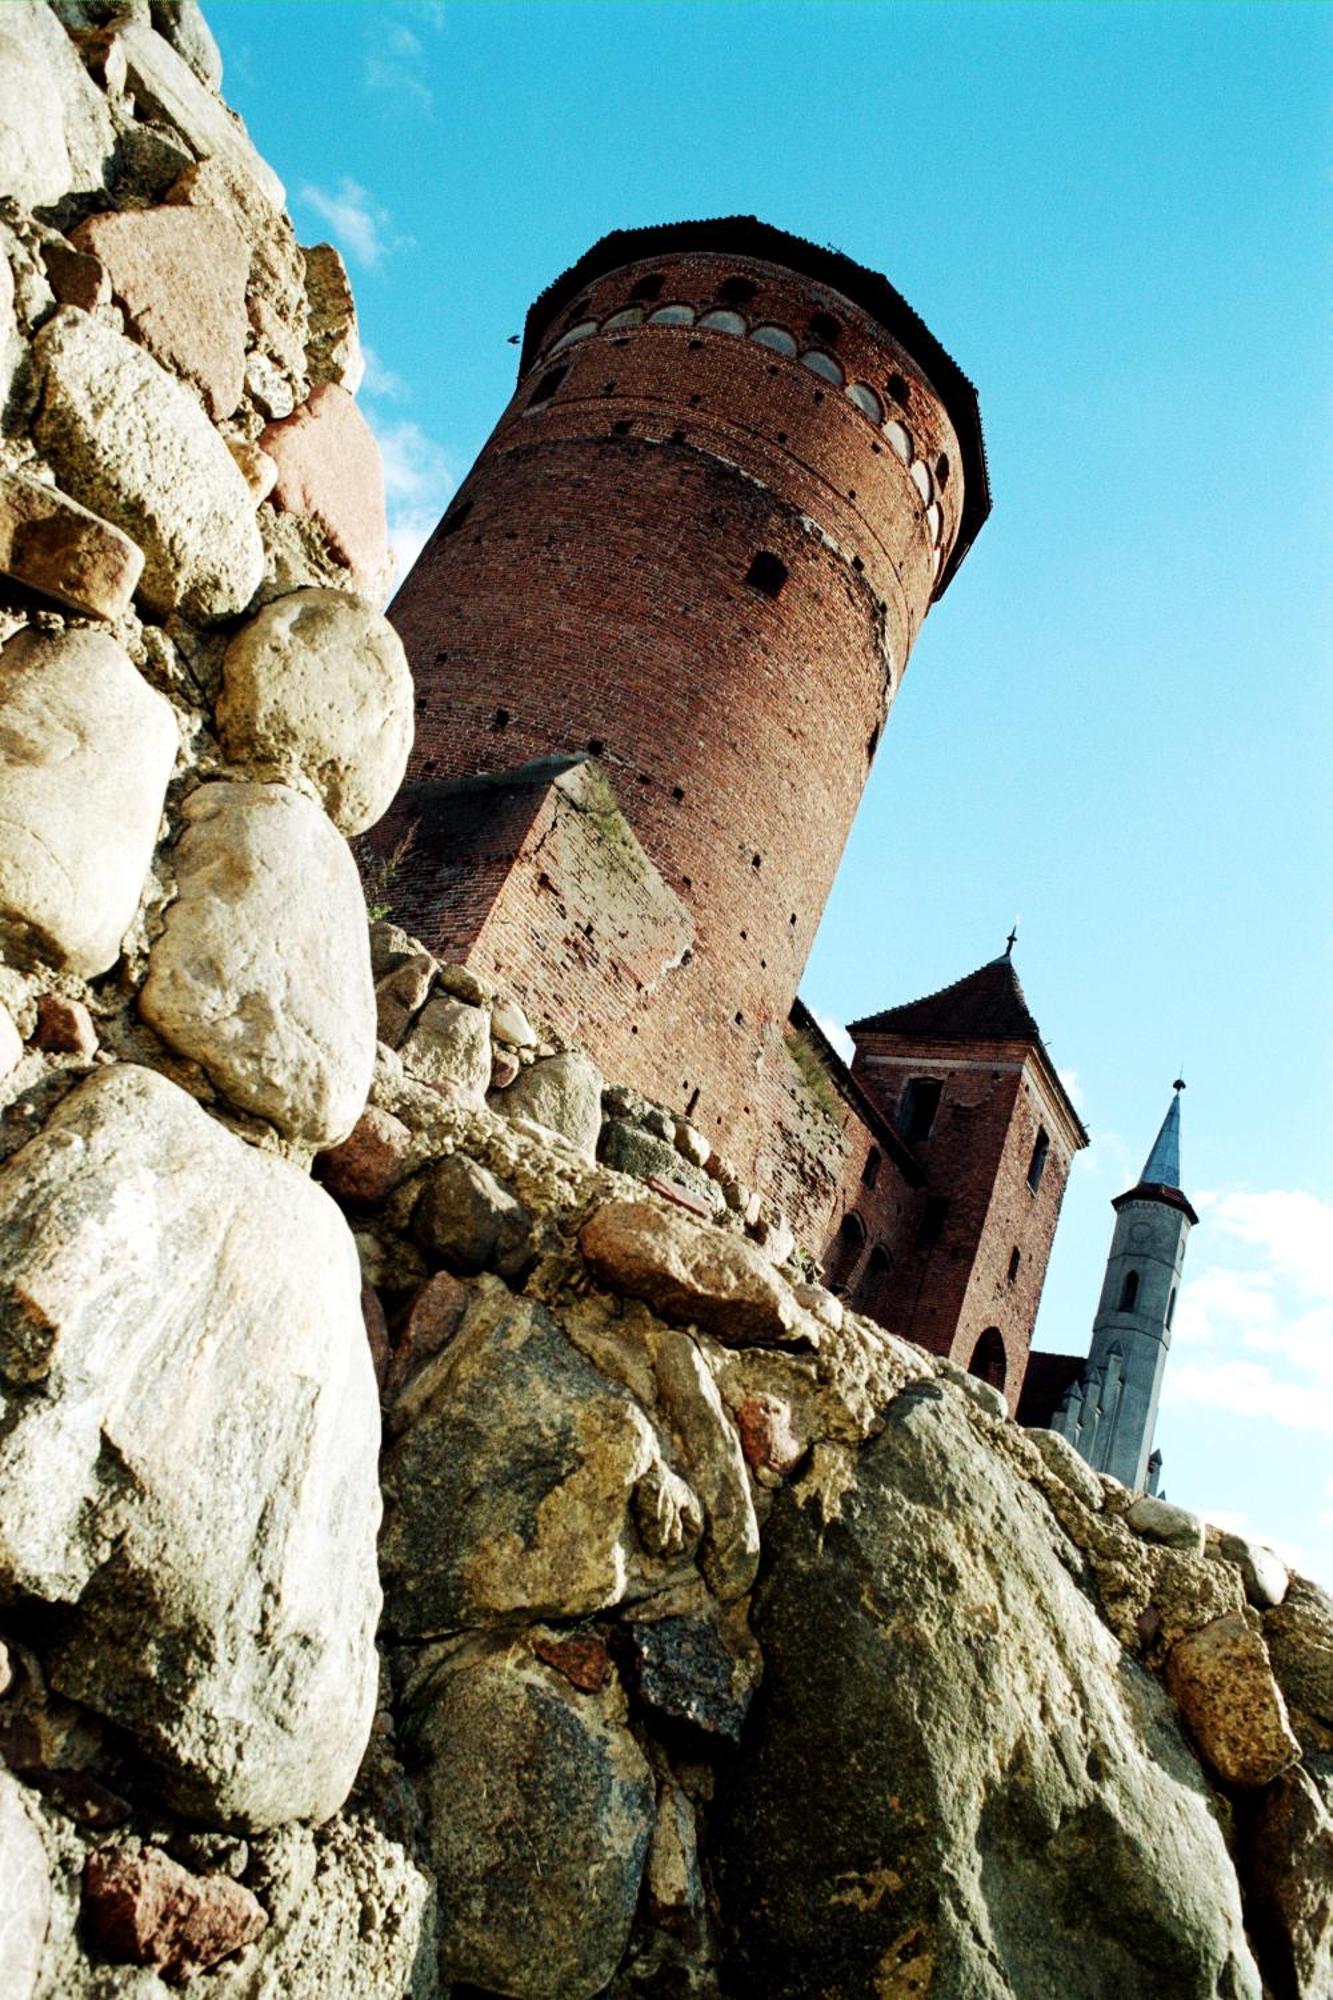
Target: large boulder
[956, 1781]
[318, 685]
[563, 1093]
[527, 1482]
[126, 439]
[86, 750]
[691, 1274]
[188, 1465]
[26, 1899]
[166, 82]
[55, 136]
[539, 1810]
[262, 974]
[1288, 1862]
[52, 545]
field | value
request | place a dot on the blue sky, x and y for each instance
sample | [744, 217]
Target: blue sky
[1117, 726]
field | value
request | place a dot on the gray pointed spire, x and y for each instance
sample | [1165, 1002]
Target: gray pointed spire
[1162, 1167]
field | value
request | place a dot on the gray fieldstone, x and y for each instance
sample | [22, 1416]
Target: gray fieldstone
[1069, 1467]
[182, 23]
[262, 972]
[25, 1900]
[86, 750]
[450, 1049]
[563, 1093]
[127, 440]
[539, 1865]
[164, 82]
[526, 1482]
[690, 1272]
[50, 544]
[318, 686]
[1288, 1872]
[956, 1782]
[630, 1148]
[1299, 1636]
[189, 1463]
[1262, 1570]
[468, 1219]
[56, 136]
[1173, 1527]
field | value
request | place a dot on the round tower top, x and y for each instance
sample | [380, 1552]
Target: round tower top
[745, 238]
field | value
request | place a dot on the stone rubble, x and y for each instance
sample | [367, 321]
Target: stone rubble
[728, 1643]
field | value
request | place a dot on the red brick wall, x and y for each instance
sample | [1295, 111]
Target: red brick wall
[977, 1156]
[595, 594]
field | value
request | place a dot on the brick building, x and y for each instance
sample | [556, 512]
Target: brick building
[656, 639]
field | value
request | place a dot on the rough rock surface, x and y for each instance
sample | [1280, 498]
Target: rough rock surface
[86, 749]
[526, 1483]
[688, 1273]
[450, 1046]
[334, 348]
[544, 1917]
[317, 686]
[25, 1898]
[143, 1908]
[166, 82]
[563, 1093]
[957, 1783]
[56, 135]
[52, 545]
[128, 441]
[188, 1462]
[180, 276]
[468, 1219]
[1289, 1874]
[1223, 1685]
[329, 468]
[262, 974]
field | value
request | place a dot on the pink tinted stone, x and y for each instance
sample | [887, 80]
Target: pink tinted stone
[180, 274]
[329, 468]
[64, 1027]
[371, 1160]
[770, 1444]
[142, 1908]
[432, 1320]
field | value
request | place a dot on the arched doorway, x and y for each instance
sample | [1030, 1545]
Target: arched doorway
[875, 1286]
[989, 1361]
[845, 1254]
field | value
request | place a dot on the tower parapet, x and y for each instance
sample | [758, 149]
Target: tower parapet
[736, 472]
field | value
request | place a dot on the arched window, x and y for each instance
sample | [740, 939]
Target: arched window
[872, 1292]
[989, 1361]
[776, 337]
[722, 320]
[846, 1252]
[870, 1171]
[1037, 1164]
[582, 331]
[1129, 1292]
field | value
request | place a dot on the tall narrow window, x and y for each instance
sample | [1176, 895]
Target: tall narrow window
[1014, 1261]
[846, 1252]
[1129, 1292]
[870, 1171]
[1170, 1308]
[1037, 1164]
[918, 1105]
[934, 1214]
[873, 1290]
[989, 1361]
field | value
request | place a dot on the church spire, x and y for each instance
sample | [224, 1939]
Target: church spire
[1162, 1166]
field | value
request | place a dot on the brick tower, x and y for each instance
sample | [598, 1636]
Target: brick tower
[736, 472]
[965, 1076]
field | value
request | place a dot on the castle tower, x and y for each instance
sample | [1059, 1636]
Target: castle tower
[1109, 1414]
[736, 472]
[965, 1077]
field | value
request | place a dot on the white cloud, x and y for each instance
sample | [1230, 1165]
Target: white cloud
[356, 220]
[396, 65]
[381, 381]
[418, 480]
[1073, 1084]
[837, 1034]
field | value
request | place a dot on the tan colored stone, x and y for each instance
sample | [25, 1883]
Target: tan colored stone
[126, 439]
[52, 545]
[317, 686]
[64, 1027]
[510, 1025]
[86, 750]
[11, 1044]
[1068, 1466]
[372, 1159]
[711, 1451]
[164, 82]
[1222, 1682]
[180, 276]
[1263, 1571]
[400, 995]
[563, 1094]
[56, 135]
[256, 467]
[334, 348]
[329, 468]
[262, 972]
[450, 1049]
[690, 1273]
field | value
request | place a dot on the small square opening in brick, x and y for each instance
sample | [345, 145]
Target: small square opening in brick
[767, 573]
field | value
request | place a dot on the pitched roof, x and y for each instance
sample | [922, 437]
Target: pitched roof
[986, 1006]
[1162, 1166]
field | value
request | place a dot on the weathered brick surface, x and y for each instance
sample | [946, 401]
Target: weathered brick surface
[588, 592]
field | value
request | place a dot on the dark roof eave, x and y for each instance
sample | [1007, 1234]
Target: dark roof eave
[1155, 1191]
[746, 235]
[857, 1097]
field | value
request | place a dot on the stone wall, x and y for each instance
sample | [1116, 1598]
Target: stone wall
[446, 1540]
